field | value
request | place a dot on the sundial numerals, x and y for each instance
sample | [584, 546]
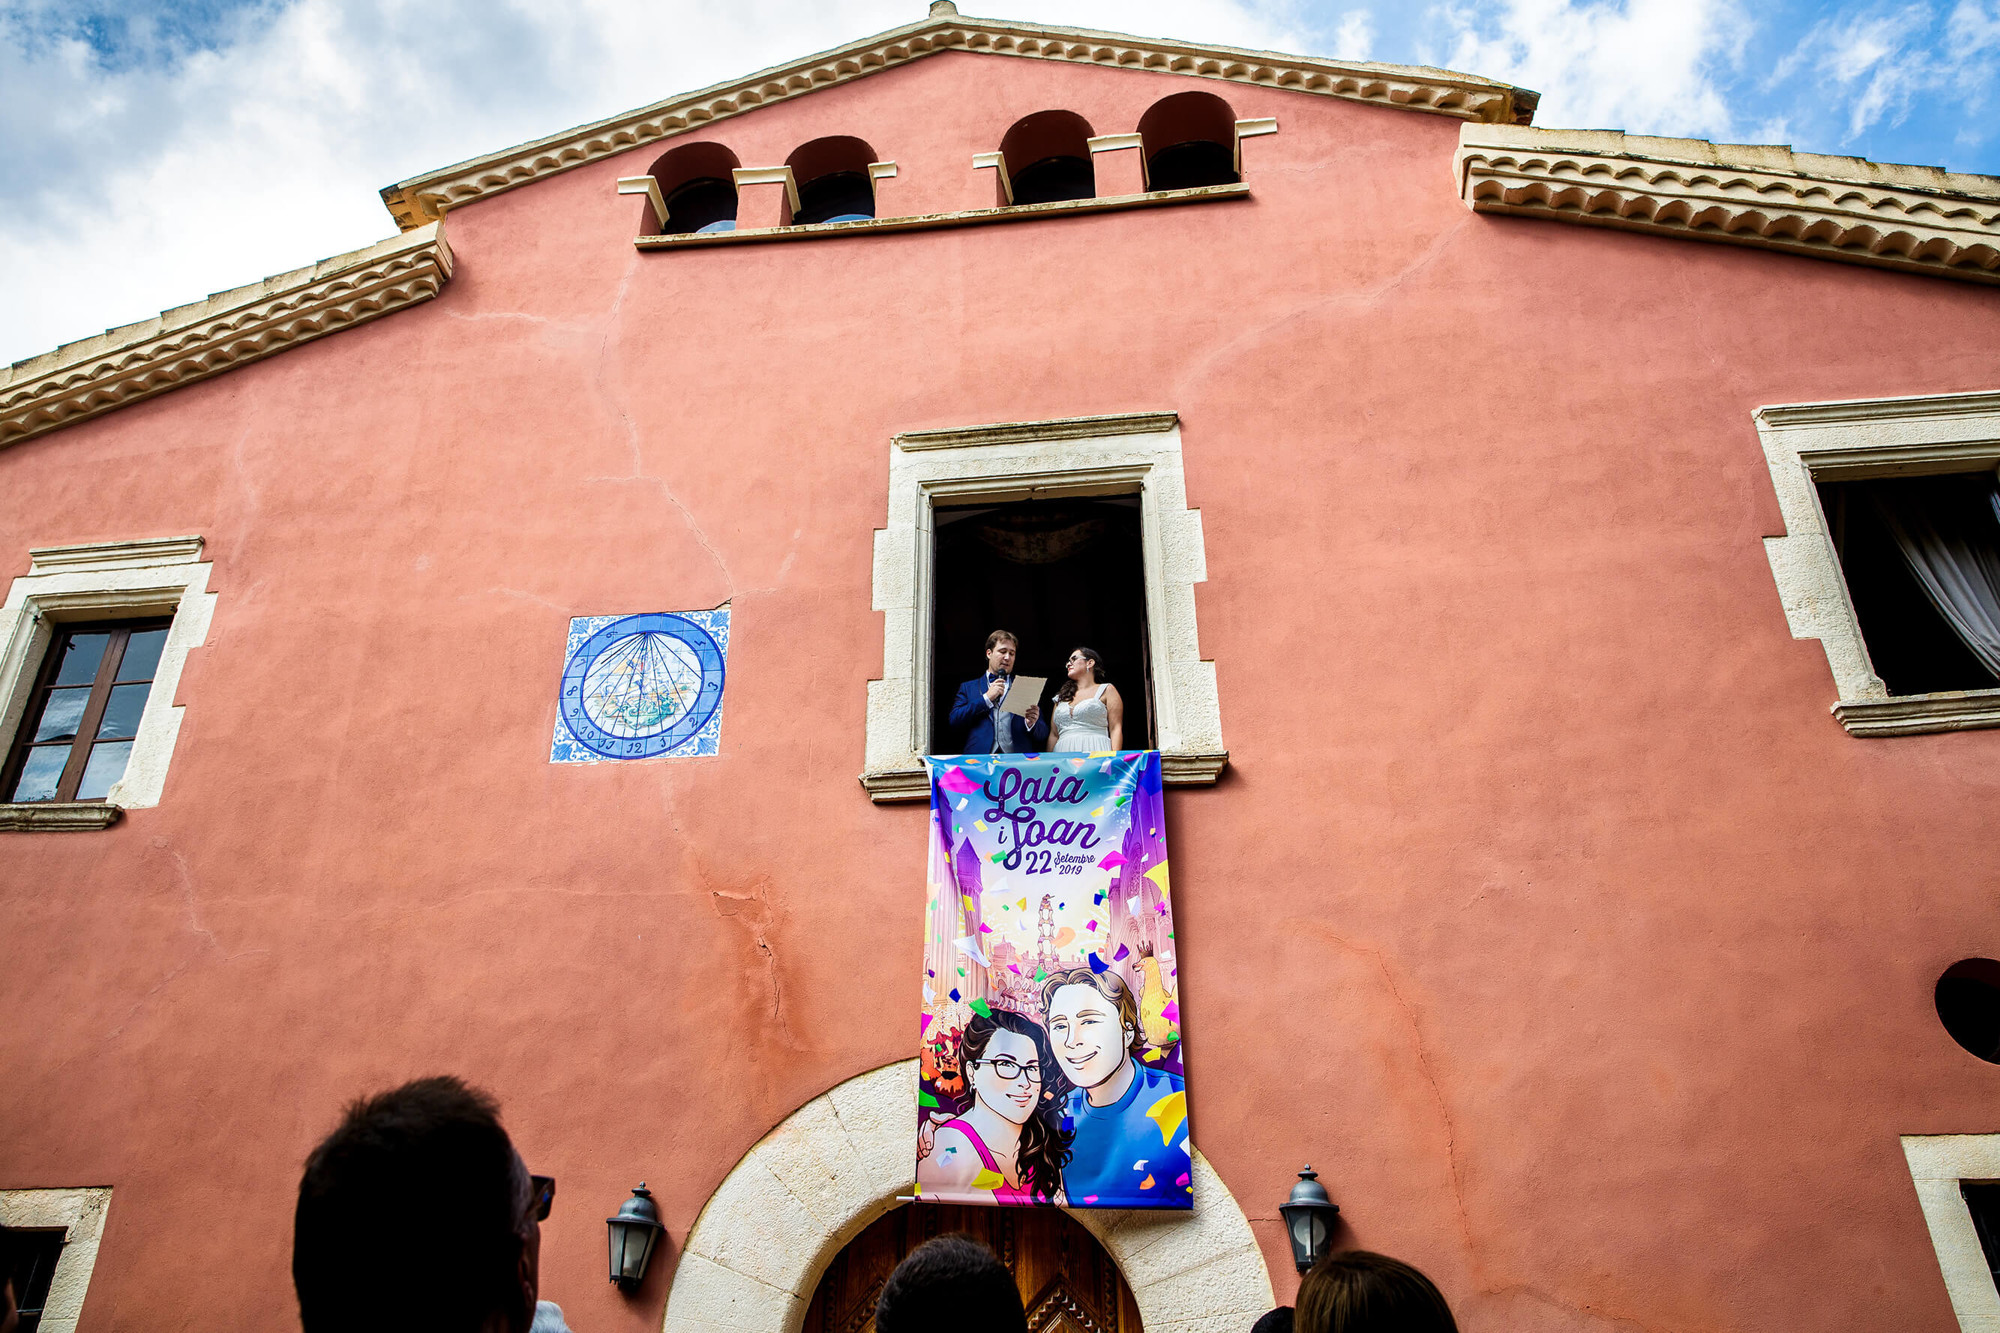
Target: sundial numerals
[642, 686]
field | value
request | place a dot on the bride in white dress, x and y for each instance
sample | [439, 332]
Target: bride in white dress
[1089, 716]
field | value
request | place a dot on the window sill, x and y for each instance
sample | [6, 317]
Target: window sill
[927, 221]
[913, 784]
[1916, 714]
[58, 816]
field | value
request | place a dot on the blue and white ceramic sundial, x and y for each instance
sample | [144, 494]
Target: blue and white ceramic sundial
[635, 687]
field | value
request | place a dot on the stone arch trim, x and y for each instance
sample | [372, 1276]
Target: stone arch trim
[837, 1163]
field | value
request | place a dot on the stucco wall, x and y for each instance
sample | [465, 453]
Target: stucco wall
[1543, 907]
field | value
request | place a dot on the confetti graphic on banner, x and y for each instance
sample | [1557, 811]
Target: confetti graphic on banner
[1052, 909]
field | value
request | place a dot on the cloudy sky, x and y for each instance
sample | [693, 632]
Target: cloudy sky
[158, 150]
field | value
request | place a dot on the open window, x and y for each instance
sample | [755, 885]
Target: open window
[1059, 574]
[833, 180]
[1921, 558]
[1047, 158]
[1890, 554]
[1189, 141]
[699, 191]
[1074, 531]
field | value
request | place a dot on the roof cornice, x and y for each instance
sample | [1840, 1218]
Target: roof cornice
[88, 378]
[1465, 96]
[1916, 219]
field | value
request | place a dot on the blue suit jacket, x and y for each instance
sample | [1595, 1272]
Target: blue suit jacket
[969, 710]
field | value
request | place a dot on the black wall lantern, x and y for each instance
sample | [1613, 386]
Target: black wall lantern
[1309, 1217]
[634, 1231]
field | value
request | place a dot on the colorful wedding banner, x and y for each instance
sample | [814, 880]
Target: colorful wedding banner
[1051, 1068]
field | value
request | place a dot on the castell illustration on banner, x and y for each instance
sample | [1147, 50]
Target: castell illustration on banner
[1051, 1028]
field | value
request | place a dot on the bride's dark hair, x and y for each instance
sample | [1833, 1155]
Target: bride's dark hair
[1068, 691]
[1045, 1148]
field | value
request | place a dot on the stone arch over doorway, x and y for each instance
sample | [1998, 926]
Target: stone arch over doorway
[837, 1163]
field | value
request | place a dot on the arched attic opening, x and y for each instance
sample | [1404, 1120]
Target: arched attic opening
[699, 190]
[1048, 158]
[833, 181]
[1189, 140]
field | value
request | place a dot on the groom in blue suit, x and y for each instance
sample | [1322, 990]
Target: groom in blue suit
[979, 697]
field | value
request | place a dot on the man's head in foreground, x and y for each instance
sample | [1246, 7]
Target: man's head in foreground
[417, 1214]
[953, 1283]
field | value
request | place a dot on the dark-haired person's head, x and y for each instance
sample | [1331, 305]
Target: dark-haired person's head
[953, 1283]
[1277, 1321]
[416, 1214]
[1356, 1291]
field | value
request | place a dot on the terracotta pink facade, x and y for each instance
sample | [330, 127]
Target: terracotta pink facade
[1590, 961]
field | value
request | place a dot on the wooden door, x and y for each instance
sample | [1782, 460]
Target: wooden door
[1068, 1283]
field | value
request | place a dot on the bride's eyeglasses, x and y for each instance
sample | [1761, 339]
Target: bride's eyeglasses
[1012, 1069]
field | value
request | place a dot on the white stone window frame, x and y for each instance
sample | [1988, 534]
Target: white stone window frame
[1939, 1163]
[1123, 454]
[79, 1213]
[1807, 443]
[105, 581]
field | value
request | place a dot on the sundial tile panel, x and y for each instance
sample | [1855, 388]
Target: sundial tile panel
[645, 686]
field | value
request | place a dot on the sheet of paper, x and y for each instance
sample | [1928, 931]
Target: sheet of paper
[1023, 694]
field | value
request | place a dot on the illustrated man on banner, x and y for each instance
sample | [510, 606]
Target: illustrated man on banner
[1129, 1119]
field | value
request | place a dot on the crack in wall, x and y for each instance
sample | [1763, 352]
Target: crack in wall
[1373, 294]
[1375, 955]
[615, 399]
[1537, 1294]
[498, 591]
[1486, 1285]
[207, 942]
[757, 924]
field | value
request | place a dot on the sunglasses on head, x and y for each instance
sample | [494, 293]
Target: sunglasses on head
[541, 1193]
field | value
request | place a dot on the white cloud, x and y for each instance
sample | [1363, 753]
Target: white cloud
[1888, 61]
[157, 181]
[1649, 66]
[1884, 53]
[1355, 37]
[1974, 28]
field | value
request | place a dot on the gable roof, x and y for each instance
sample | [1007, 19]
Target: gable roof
[425, 198]
[1916, 219]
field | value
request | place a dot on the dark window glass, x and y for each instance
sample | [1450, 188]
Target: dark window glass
[1055, 178]
[106, 766]
[703, 204]
[78, 658]
[40, 774]
[1913, 648]
[34, 1266]
[142, 654]
[122, 710]
[63, 714]
[1983, 1198]
[84, 712]
[842, 196]
[1187, 166]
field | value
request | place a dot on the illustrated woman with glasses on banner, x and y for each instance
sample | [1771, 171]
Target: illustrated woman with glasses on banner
[1007, 1143]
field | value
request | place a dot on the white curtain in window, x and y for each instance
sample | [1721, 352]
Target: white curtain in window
[1956, 561]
